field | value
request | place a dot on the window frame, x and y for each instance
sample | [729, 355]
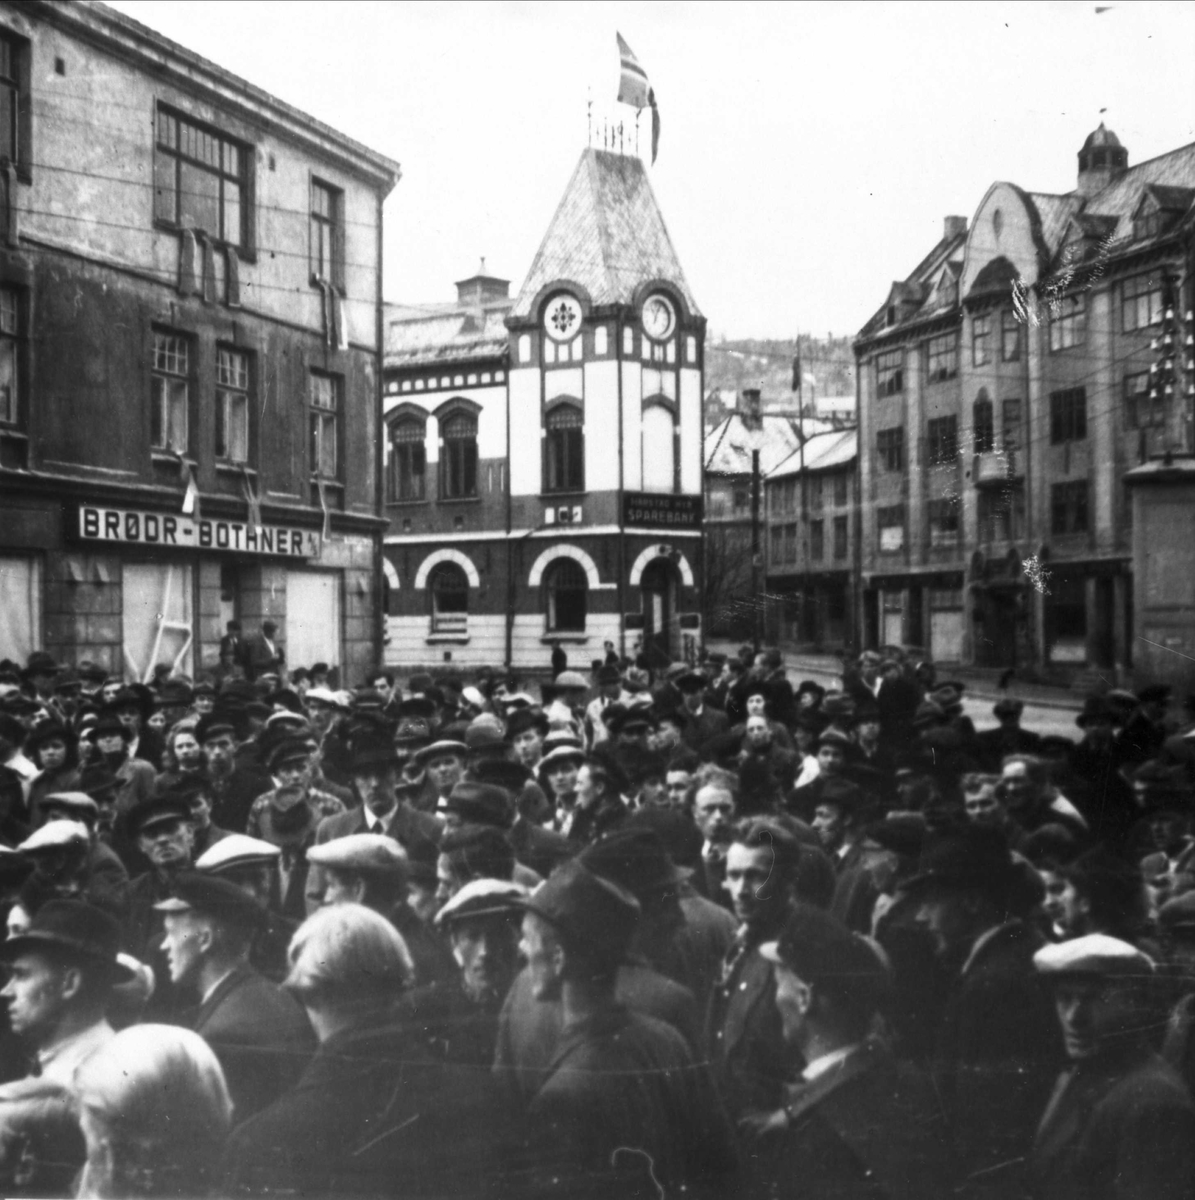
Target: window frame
[406, 448]
[1135, 401]
[1010, 323]
[564, 449]
[18, 83]
[941, 441]
[551, 591]
[225, 392]
[1068, 324]
[942, 350]
[243, 176]
[1132, 292]
[14, 338]
[842, 537]
[983, 425]
[890, 448]
[890, 373]
[334, 223]
[817, 540]
[1000, 514]
[459, 469]
[448, 620]
[841, 490]
[1068, 415]
[944, 520]
[186, 378]
[327, 418]
[1070, 507]
[981, 340]
[891, 517]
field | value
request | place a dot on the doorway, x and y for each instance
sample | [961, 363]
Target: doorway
[658, 586]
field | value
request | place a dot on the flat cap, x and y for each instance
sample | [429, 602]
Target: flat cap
[156, 811]
[567, 680]
[1096, 955]
[484, 898]
[480, 803]
[325, 696]
[54, 835]
[369, 853]
[76, 802]
[199, 891]
[442, 749]
[593, 916]
[237, 850]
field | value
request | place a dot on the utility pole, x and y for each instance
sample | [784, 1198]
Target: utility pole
[753, 421]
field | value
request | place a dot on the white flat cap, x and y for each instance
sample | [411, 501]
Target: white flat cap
[53, 835]
[361, 852]
[1097, 954]
[80, 802]
[483, 898]
[237, 850]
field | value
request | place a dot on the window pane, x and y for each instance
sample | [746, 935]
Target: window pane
[323, 392]
[199, 199]
[8, 382]
[231, 230]
[8, 310]
[165, 196]
[8, 122]
[238, 428]
[327, 457]
[221, 425]
[177, 414]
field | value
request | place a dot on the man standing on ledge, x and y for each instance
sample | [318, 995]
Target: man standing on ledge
[263, 655]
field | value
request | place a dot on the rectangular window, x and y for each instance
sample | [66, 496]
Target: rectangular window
[817, 540]
[942, 442]
[170, 399]
[10, 398]
[324, 416]
[232, 405]
[1001, 514]
[1068, 415]
[890, 373]
[943, 521]
[564, 467]
[200, 179]
[327, 234]
[1010, 337]
[408, 461]
[890, 449]
[1141, 411]
[984, 423]
[891, 523]
[1068, 325]
[816, 495]
[1068, 507]
[1141, 302]
[840, 491]
[981, 340]
[16, 126]
[840, 537]
[458, 457]
[775, 548]
[941, 358]
[790, 543]
[1011, 433]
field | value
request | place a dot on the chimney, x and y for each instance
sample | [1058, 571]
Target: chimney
[954, 227]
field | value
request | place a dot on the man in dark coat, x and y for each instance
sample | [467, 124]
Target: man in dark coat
[259, 1033]
[1008, 737]
[1145, 732]
[262, 653]
[856, 1125]
[233, 786]
[998, 1046]
[626, 1111]
[374, 1114]
[1093, 779]
[1120, 1124]
[703, 722]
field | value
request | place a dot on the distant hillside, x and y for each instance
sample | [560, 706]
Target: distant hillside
[731, 366]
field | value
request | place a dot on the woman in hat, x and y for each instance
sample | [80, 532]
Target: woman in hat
[111, 738]
[183, 757]
[55, 750]
[558, 778]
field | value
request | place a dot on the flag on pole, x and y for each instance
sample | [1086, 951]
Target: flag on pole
[326, 532]
[635, 90]
[252, 499]
[191, 495]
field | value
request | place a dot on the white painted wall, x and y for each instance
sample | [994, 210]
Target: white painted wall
[690, 431]
[525, 432]
[601, 426]
[632, 422]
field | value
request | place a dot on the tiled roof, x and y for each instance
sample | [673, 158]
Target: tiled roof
[821, 452]
[728, 444]
[437, 333]
[608, 235]
[1120, 198]
[1055, 213]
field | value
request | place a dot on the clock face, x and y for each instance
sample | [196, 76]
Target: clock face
[562, 318]
[659, 317]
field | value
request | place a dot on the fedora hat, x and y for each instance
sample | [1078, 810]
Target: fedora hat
[79, 930]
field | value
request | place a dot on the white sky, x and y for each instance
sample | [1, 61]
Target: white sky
[808, 151]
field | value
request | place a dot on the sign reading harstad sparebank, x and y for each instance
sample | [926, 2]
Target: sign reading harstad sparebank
[170, 531]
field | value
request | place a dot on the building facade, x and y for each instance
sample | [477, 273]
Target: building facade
[190, 295]
[812, 510]
[544, 454]
[1004, 394]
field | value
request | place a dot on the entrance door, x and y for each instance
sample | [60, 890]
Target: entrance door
[158, 620]
[658, 587]
[312, 618]
[996, 639]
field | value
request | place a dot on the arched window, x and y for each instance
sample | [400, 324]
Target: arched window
[566, 591]
[458, 457]
[564, 450]
[985, 425]
[408, 460]
[448, 588]
[659, 449]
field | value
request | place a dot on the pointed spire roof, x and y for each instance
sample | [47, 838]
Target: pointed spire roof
[608, 235]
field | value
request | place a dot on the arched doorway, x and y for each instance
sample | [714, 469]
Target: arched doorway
[658, 586]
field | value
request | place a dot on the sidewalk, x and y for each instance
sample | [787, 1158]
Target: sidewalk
[981, 684]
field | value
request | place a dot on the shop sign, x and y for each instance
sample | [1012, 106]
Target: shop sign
[661, 510]
[167, 530]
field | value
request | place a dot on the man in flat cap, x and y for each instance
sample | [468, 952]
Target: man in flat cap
[235, 785]
[855, 1124]
[625, 1111]
[259, 1033]
[1120, 1122]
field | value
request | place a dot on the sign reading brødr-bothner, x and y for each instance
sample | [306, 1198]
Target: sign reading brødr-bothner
[661, 510]
[136, 528]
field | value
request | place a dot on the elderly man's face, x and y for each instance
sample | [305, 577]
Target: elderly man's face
[1093, 1012]
[758, 733]
[167, 844]
[487, 951]
[713, 813]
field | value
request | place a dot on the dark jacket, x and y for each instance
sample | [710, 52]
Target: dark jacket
[261, 1036]
[993, 745]
[1120, 1126]
[373, 1115]
[538, 848]
[703, 728]
[233, 796]
[998, 1049]
[626, 1112]
[686, 938]
[867, 1129]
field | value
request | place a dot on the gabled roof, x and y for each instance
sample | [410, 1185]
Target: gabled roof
[438, 333]
[728, 444]
[822, 452]
[607, 235]
[1175, 171]
[919, 285]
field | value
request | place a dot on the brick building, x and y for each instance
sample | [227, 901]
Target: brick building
[1004, 395]
[190, 288]
[543, 454]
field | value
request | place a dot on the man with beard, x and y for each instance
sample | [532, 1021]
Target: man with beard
[998, 1044]
[1120, 1123]
[258, 1032]
[460, 1018]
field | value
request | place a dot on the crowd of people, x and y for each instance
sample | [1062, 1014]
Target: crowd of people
[636, 932]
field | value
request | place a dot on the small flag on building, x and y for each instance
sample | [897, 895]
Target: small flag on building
[634, 89]
[252, 499]
[326, 532]
[191, 495]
